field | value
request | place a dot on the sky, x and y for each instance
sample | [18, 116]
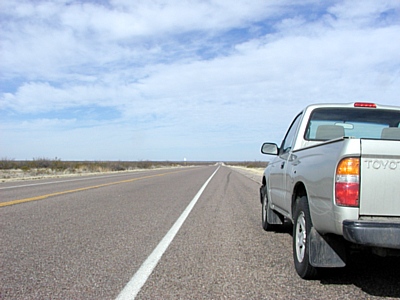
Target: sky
[169, 80]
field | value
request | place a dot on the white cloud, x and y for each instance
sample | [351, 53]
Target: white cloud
[363, 12]
[265, 61]
[49, 39]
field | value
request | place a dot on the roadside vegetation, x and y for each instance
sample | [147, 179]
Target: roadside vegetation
[57, 164]
[11, 168]
[249, 164]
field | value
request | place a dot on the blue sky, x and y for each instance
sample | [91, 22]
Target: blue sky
[174, 79]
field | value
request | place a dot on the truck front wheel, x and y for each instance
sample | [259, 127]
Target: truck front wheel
[265, 210]
[301, 239]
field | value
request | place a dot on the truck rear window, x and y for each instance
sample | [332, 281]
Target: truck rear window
[329, 123]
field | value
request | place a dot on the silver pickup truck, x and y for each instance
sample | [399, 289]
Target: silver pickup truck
[336, 177]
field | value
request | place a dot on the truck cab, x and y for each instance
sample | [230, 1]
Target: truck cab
[334, 177]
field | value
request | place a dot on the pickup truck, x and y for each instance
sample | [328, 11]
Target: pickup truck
[336, 178]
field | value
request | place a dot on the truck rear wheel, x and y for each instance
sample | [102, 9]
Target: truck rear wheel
[301, 239]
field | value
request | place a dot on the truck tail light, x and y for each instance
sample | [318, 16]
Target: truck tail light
[347, 184]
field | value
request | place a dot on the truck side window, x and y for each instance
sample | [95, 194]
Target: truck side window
[288, 142]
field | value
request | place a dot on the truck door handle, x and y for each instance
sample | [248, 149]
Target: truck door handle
[282, 165]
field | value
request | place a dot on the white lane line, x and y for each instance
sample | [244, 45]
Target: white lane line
[139, 279]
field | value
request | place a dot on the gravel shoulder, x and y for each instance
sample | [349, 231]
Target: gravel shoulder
[254, 174]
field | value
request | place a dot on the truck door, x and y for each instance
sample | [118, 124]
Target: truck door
[279, 177]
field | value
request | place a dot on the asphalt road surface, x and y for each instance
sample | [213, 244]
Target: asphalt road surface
[189, 233]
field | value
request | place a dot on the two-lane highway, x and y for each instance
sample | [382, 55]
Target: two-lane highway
[85, 238]
[93, 237]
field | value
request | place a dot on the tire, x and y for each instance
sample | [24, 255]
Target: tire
[301, 239]
[264, 212]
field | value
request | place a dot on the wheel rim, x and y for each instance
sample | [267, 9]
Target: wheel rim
[301, 236]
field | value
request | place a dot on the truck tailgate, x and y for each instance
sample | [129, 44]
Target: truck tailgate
[380, 178]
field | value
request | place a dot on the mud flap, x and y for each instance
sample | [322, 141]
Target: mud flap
[326, 251]
[272, 217]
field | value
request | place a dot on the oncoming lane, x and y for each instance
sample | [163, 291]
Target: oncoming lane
[44, 189]
[87, 244]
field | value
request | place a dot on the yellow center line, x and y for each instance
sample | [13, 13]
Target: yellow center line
[13, 202]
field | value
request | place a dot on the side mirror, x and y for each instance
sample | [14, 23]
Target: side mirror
[269, 148]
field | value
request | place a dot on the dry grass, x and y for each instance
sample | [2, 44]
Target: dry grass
[11, 169]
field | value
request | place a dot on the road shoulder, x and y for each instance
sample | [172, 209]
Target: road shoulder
[254, 174]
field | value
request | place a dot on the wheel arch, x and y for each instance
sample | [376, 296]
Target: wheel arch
[262, 188]
[264, 181]
[326, 251]
[298, 192]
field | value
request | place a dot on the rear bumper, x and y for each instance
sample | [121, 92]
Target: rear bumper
[372, 233]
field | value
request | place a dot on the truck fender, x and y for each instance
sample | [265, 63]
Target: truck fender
[326, 251]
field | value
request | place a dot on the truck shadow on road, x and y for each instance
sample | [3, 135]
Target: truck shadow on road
[374, 275]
